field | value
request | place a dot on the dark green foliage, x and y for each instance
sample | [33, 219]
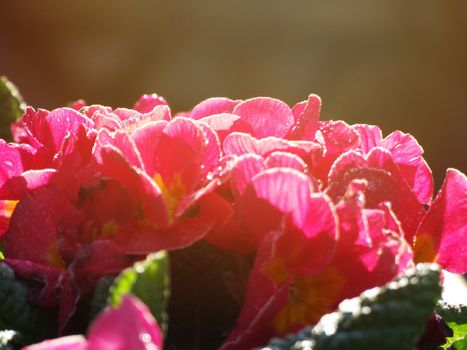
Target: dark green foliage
[149, 281]
[9, 340]
[100, 297]
[207, 291]
[456, 318]
[11, 107]
[17, 314]
[390, 317]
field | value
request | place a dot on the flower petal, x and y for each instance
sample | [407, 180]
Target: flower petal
[213, 105]
[442, 234]
[130, 326]
[267, 116]
[147, 103]
[306, 119]
[71, 342]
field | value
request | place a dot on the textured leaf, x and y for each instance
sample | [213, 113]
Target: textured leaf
[388, 317]
[11, 107]
[17, 314]
[455, 315]
[100, 296]
[149, 281]
[9, 340]
[207, 292]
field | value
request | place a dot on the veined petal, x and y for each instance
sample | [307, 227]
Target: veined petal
[226, 123]
[213, 105]
[246, 166]
[281, 159]
[370, 136]
[267, 116]
[442, 234]
[306, 119]
[62, 121]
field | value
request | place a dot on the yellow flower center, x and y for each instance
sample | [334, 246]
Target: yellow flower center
[309, 297]
[424, 248]
[172, 193]
[7, 207]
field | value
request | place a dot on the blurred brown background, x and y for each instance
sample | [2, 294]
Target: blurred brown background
[401, 64]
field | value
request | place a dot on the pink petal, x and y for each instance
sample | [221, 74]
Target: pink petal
[241, 143]
[370, 136]
[336, 137]
[404, 148]
[31, 128]
[385, 183]
[407, 153]
[161, 112]
[147, 103]
[130, 326]
[71, 342]
[225, 123]
[213, 105]
[212, 151]
[404, 202]
[137, 183]
[126, 114]
[122, 142]
[267, 116]
[285, 160]
[306, 119]
[420, 179]
[78, 104]
[146, 139]
[11, 160]
[442, 234]
[180, 150]
[99, 258]
[246, 166]
[62, 121]
[265, 198]
[307, 249]
[33, 230]
[19, 186]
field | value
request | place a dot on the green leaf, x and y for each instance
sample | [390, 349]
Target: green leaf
[1, 255]
[33, 323]
[207, 290]
[12, 107]
[455, 315]
[149, 281]
[388, 317]
[100, 296]
[9, 340]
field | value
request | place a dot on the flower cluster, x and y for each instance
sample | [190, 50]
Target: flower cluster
[327, 209]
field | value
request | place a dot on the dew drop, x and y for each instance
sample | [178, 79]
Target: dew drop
[209, 177]
[8, 163]
[145, 337]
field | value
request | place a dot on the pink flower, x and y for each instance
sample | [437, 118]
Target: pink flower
[130, 326]
[120, 193]
[312, 254]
